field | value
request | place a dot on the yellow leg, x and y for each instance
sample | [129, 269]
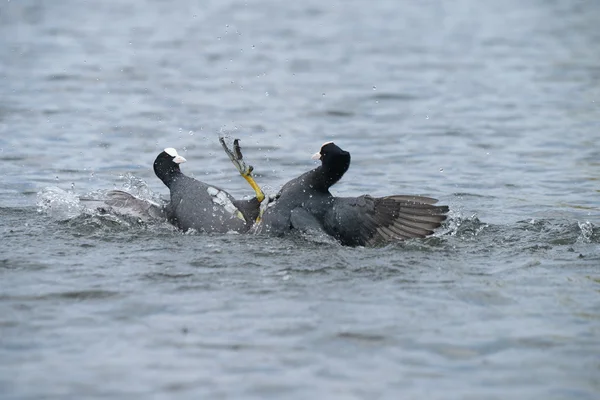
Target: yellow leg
[260, 196]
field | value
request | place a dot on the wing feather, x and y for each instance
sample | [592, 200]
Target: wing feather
[127, 203]
[365, 220]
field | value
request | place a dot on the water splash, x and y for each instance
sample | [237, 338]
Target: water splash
[59, 204]
[66, 205]
[587, 231]
[138, 187]
[464, 227]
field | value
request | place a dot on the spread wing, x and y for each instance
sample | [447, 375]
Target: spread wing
[368, 221]
[126, 203]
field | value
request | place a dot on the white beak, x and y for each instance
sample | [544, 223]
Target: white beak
[179, 160]
[316, 156]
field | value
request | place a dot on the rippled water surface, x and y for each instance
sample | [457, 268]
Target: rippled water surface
[491, 107]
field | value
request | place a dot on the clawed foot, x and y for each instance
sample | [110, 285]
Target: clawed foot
[237, 159]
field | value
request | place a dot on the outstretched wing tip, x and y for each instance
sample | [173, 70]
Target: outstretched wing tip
[387, 219]
[128, 203]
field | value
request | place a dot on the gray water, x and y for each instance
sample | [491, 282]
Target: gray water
[491, 107]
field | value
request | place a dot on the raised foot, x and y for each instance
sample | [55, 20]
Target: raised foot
[236, 157]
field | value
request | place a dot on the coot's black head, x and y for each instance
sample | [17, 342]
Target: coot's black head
[334, 162]
[166, 165]
[333, 157]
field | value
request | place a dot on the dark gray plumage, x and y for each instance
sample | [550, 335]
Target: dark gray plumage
[305, 204]
[197, 205]
[193, 204]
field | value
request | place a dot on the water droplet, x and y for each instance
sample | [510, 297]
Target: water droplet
[427, 117]
[374, 87]
[441, 169]
[267, 94]
[191, 133]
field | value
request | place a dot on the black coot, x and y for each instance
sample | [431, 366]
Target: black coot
[198, 205]
[306, 204]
